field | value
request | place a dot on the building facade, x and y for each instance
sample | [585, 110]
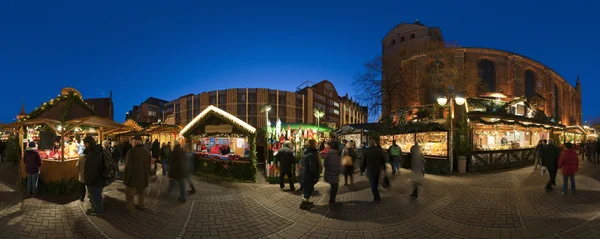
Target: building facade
[499, 71]
[290, 107]
[149, 111]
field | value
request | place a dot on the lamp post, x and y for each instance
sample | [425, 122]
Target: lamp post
[453, 98]
[266, 108]
[318, 113]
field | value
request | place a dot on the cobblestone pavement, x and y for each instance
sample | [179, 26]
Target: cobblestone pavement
[510, 204]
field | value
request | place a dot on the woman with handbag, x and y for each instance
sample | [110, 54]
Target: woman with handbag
[348, 157]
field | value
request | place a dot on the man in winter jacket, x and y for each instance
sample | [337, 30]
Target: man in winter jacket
[155, 152]
[395, 157]
[178, 171]
[165, 154]
[94, 180]
[550, 155]
[137, 168]
[374, 162]
[286, 158]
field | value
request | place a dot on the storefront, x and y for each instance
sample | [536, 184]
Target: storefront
[57, 127]
[223, 145]
[502, 141]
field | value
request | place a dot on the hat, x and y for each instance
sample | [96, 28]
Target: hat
[90, 140]
[137, 137]
[31, 144]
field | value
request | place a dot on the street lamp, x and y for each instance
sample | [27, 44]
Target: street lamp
[318, 113]
[266, 108]
[459, 101]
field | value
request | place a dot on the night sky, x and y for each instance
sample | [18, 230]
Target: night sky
[164, 49]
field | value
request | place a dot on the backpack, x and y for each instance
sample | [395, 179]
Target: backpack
[395, 150]
[108, 172]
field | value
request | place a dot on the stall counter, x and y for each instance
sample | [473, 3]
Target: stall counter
[51, 170]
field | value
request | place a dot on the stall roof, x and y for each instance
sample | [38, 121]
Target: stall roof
[357, 128]
[304, 126]
[476, 115]
[212, 110]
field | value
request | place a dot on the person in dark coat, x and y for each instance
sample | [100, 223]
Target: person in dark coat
[165, 155]
[2, 149]
[286, 158]
[126, 147]
[135, 178]
[155, 153]
[569, 165]
[361, 157]
[374, 161]
[538, 158]
[33, 162]
[550, 155]
[333, 169]
[310, 169]
[178, 171]
[93, 178]
[116, 155]
[597, 158]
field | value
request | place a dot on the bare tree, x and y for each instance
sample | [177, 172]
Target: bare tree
[378, 86]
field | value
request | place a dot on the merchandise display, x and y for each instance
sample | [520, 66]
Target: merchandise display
[503, 137]
[434, 143]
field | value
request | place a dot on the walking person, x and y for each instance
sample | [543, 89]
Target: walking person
[333, 168]
[395, 157]
[81, 167]
[361, 157]
[417, 166]
[2, 149]
[374, 162]
[538, 158]
[116, 155]
[310, 170]
[569, 165]
[178, 171]
[165, 155]
[348, 159]
[190, 171]
[550, 155]
[137, 169]
[597, 158]
[592, 149]
[93, 178]
[286, 159]
[155, 154]
[33, 162]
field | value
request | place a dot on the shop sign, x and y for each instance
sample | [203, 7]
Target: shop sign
[224, 128]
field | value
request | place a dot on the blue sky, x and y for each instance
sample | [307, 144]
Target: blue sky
[167, 49]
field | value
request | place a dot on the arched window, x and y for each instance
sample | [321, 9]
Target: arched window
[556, 103]
[529, 83]
[487, 74]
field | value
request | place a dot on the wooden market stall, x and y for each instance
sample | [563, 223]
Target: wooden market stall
[214, 128]
[163, 132]
[57, 126]
[357, 132]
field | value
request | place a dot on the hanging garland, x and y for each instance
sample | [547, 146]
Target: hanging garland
[71, 97]
[481, 120]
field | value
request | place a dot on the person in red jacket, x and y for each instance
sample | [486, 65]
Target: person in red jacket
[569, 163]
[33, 162]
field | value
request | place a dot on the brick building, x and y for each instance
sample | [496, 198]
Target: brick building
[149, 111]
[103, 107]
[500, 71]
[290, 107]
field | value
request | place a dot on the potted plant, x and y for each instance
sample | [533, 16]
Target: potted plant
[462, 144]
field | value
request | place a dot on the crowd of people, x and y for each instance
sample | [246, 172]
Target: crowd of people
[552, 158]
[343, 158]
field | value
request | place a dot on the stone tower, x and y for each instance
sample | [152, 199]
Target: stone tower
[23, 113]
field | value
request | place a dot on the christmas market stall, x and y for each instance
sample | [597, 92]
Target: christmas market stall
[505, 134]
[163, 132]
[58, 127]
[574, 134]
[356, 132]
[223, 145]
[298, 134]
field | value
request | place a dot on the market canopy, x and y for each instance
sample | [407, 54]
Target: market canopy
[357, 128]
[509, 119]
[216, 121]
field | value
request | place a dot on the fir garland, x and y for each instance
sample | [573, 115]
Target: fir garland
[481, 120]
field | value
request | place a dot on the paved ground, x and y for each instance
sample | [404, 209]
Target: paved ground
[509, 204]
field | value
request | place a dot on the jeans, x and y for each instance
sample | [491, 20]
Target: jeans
[82, 191]
[552, 180]
[95, 194]
[290, 180]
[130, 192]
[395, 162]
[309, 188]
[566, 180]
[165, 166]
[32, 183]
[374, 181]
[333, 192]
[189, 181]
[182, 187]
